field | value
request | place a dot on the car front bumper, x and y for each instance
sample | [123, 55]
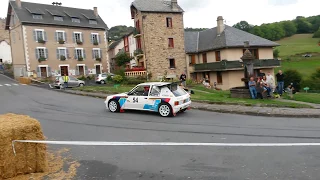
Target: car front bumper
[181, 107]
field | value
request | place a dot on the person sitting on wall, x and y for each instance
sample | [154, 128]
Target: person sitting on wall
[206, 82]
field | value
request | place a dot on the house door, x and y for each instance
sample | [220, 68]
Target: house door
[64, 70]
[81, 70]
[98, 69]
[43, 71]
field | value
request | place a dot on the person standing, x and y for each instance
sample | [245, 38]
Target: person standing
[261, 74]
[65, 81]
[280, 80]
[271, 82]
[252, 87]
[183, 79]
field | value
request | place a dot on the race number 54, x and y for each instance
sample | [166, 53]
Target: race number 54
[135, 100]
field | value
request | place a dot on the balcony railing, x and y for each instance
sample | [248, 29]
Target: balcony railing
[136, 33]
[138, 52]
[135, 69]
[136, 73]
[233, 65]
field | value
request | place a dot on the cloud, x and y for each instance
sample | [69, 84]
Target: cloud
[282, 2]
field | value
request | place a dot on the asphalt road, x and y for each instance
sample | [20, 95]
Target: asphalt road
[76, 118]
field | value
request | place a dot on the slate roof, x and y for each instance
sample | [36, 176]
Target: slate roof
[155, 6]
[231, 37]
[25, 15]
[114, 44]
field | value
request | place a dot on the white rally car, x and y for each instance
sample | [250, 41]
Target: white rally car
[165, 98]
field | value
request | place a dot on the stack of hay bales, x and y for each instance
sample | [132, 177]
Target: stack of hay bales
[30, 158]
[24, 80]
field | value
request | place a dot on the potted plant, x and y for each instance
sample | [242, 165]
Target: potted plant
[40, 40]
[79, 42]
[95, 42]
[62, 58]
[61, 41]
[41, 59]
[80, 58]
[98, 58]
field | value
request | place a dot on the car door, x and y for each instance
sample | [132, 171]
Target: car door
[72, 82]
[153, 99]
[137, 98]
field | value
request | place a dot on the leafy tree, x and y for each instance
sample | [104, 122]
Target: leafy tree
[256, 30]
[277, 31]
[117, 32]
[266, 30]
[276, 53]
[289, 28]
[122, 58]
[316, 34]
[292, 76]
[244, 26]
[303, 26]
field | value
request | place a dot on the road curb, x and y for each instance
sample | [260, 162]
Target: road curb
[219, 110]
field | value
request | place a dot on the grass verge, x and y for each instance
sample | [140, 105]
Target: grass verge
[306, 97]
[203, 95]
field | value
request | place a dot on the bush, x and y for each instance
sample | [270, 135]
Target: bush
[313, 82]
[90, 77]
[292, 76]
[276, 53]
[317, 34]
[134, 81]
[120, 72]
[109, 78]
[83, 78]
[117, 79]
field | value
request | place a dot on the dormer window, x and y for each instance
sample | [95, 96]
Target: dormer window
[76, 20]
[93, 22]
[58, 18]
[37, 16]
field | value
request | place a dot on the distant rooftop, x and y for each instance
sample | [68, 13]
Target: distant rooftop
[156, 6]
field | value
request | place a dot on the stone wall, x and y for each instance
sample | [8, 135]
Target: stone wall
[155, 40]
[4, 35]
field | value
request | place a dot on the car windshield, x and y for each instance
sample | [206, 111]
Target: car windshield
[176, 90]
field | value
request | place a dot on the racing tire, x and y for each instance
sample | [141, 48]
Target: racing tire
[165, 110]
[102, 82]
[114, 106]
[81, 85]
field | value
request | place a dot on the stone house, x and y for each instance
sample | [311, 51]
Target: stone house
[216, 52]
[114, 48]
[159, 33]
[50, 40]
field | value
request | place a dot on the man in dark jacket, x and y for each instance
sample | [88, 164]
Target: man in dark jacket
[183, 79]
[280, 80]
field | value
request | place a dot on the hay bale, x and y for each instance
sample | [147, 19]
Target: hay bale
[25, 80]
[30, 158]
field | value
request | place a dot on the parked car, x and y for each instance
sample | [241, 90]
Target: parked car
[102, 78]
[73, 82]
[167, 99]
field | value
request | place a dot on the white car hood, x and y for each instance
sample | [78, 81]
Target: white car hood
[118, 95]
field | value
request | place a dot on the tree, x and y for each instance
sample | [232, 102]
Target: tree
[243, 25]
[292, 76]
[256, 30]
[276, 53]
[289, 28]
[122, 58]
[266, 30]
[316, 34]
[277, 31]
[303, 26]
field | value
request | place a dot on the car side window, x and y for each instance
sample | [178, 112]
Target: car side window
[72, 78]
[104, 75]
[140, 91]
[155, 91]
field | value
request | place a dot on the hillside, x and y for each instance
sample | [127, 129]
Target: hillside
[117, 32]
[292, 49]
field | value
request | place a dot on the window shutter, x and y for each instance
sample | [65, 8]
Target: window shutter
[86, 70]
[37, 54]
[45, 36]
[65, 36]
[93, 54]
[38, 72]
[99, 39]
[67, 53]
[77, 71]
[74, 37]
[35, 35]
[49, 72]
[82, 37]
[100, 53]
[75, 54]
[46, 51]
[84, 54]
[91, 38]
[56, 36]
[58, 54]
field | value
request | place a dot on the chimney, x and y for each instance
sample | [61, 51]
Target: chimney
[18, 2]
[220, 25]
[95, 9]
[174, 4]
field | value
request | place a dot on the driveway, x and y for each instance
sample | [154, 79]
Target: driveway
[77, 118]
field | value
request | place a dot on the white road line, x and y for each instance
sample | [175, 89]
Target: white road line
[7, 84]
[15, 84]
[0, 85]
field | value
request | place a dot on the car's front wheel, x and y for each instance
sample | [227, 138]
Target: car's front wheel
[102, 82]
[114, 106]
[81, 85]
[165, 110]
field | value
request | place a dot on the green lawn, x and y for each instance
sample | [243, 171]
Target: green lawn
[307, 97]
[306, 66]
[210, 96]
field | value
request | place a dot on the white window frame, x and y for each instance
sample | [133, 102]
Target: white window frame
[95, 67]
[46, 66]
[60, 65]
[77, 20]
[82, 53]
[76, 36]
[58, 18]
[42, 30]
[63, 34]
[97, 34]
[84, 68]
[65, 51]
[94, 49]
[44, 50]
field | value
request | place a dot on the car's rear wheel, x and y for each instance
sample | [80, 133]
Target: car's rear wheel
[102, 82]
[165, 110]
[81, 85]
[114, 106]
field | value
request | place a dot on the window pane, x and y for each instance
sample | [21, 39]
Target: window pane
[39, 34]
[172, 63]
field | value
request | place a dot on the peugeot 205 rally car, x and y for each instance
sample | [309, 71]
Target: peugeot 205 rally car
[167, 99]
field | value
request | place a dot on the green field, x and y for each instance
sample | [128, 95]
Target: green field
[292, 49]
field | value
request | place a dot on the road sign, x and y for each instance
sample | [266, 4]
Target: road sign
[306, 89]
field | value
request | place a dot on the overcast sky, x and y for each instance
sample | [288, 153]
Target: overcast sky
[200, 13]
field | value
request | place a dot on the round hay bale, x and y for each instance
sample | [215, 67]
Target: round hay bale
[30, 158]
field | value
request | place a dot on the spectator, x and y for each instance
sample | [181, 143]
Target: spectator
[65, 81]
[266, 86]
[280, 80]
[260, 90]
[290, 90]
[261, 74]
[183, 79]
[252, 87]
[206, 82]
[271, 82]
